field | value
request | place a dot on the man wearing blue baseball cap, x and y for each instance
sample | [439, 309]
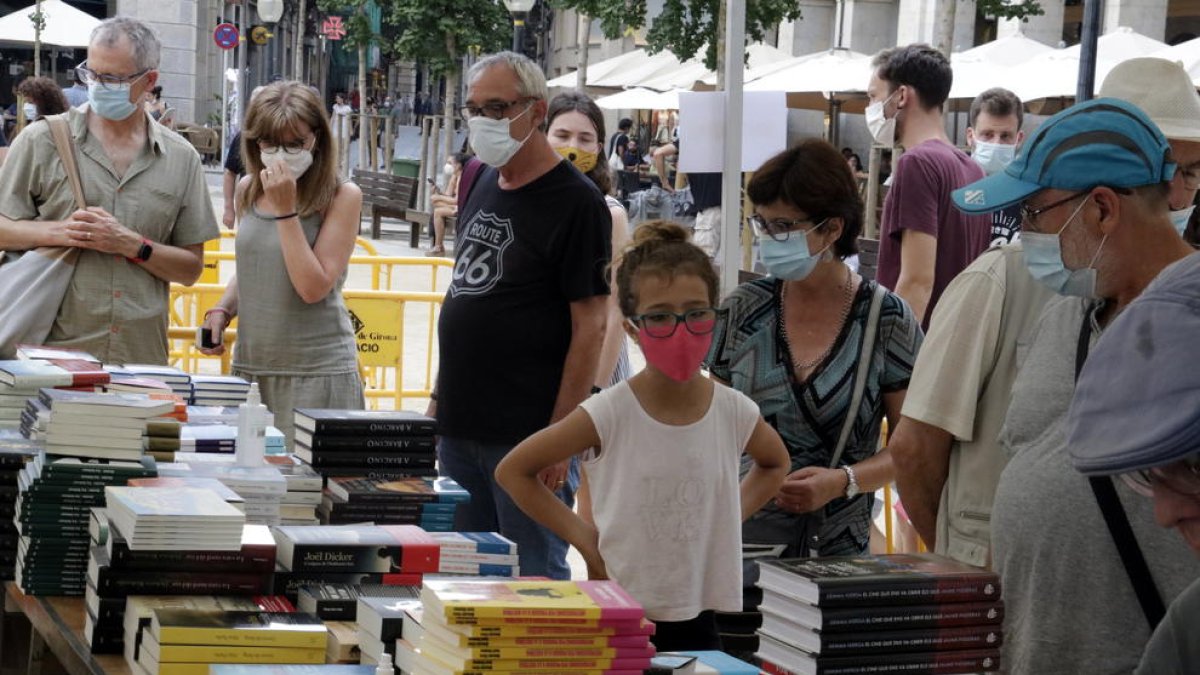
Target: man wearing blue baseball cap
[1092, 183]
[1136, 412]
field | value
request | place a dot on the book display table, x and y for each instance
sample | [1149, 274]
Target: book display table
[58, 628]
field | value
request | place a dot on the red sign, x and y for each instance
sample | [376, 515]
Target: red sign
[226, 36]
[333, 28]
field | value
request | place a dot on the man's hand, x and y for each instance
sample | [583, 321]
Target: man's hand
[216, 322]
[808, 489]
[555, 475]
[279, 189]
[96, 229]
[229, 217]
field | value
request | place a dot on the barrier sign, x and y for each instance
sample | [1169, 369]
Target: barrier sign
[226, 36]
[376, 325]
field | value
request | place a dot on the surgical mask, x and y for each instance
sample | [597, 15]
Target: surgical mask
[448, 169]
[112, 102]
[30, 111]
[882, 128]
[677, 356]
[1181, 217]
[1043, 257]
[297, 163]
[790, 259]
[582, 159]
[491, 140]
[993, 157]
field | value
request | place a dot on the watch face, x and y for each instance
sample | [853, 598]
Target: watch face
[144, 252]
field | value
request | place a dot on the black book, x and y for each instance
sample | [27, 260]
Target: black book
[386, 460]
[862, 581]
[918, 663]
[364, 443]
[359, 489]
[288, 584]
[15, 452]
[883, 617]
[383, 618]
[121, 583]
[103, 637]
[882, 641]
[109, 470]
[377, 473]
[257, 554]
[339, 602]
[319, 421]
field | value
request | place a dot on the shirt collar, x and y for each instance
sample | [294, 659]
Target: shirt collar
[79, 131]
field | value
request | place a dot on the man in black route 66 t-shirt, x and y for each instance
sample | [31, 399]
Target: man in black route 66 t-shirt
[523, 320]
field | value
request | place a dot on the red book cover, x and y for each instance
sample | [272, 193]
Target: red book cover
[419, 552]
[83, 373]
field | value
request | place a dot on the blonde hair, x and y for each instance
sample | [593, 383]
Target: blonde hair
[280, 108]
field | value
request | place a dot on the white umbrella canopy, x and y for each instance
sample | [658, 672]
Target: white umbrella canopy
[990, 65]
[1056, 74]
[760, 58]
[631, 75]
[1186, 53]
[693, 71]
[602, 69]
[65, 25]
[640, 99]
[812, 81]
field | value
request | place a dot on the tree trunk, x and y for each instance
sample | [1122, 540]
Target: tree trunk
[362, 107]
[720, 45]
[298, 52]
[944, 37]
[583, 45]
[451, 94]
[37, 40]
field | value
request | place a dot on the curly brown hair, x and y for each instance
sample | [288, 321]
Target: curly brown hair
[662, 248]
[45, 94]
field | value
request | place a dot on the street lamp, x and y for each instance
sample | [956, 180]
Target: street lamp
[270, 11]
[519, 10]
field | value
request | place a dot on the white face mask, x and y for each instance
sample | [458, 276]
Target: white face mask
[491, 140]
[448, 169]
[882, 128]
[297, 163]
[1181, 217]
[30, 111]
[993, 157]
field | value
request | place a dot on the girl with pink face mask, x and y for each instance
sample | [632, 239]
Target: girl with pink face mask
[661, 451]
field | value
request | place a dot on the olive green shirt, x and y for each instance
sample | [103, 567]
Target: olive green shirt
[113, 308]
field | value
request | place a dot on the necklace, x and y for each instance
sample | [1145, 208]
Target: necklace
[847, 304]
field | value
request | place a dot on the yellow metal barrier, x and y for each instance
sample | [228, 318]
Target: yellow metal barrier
[383, 268]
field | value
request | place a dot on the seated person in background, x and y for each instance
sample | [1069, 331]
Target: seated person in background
[632, 157]
[445, 202]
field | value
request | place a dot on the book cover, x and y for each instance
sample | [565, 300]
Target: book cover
[352, 489]
[172, 626]
[291, 669]
[288, 584]
[526, 648]
[379, 473]
[568, 628]
[475, 542]
[467, 601]
[479, 569]
[364, 422]
[447, 635]
[257, 554]
[384, 618]
[44, 353]
[339, 602]
[172, 505]
[797, 661]
[883, 641]
[123, 583]
[369, 458]
[368, 548]
[233, 653]
[84, 373]
[139, 609]
[842, 581]
[92, 403]
[320, 443]
[882, 617]
[198, 482]
[71, 467]
[433, 651]
[27, 374]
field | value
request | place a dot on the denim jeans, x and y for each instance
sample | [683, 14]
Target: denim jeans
[473, 466]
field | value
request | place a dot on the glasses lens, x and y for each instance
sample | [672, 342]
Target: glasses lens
[1139, 482]
[701, 321]
[660, 324]
[466, 112]
[1180, 477]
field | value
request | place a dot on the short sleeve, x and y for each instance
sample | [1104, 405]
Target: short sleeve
[600, 409]
[585, 251]
[902, 337]
[746, 417]
[233, 158]
[196, 222]
[20, 181]
[958, 355]
[916, 195]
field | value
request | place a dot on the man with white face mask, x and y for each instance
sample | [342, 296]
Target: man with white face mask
[1164, 90]
[1092, 182]
[148, 214]
[523, 322]
[993, 136]
[924, 241]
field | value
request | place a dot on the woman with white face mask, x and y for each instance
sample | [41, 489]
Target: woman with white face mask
[298, 223]
[445, 201]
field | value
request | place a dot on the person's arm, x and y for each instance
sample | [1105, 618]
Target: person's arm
[519, 473]
[614, 331]
[97, 230]
[918, 260]
[921, 453]
[218, 317]
[228, 188]
[22, 235]
[770, 467]
[313, 270]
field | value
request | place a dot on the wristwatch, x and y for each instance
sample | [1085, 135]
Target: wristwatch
[851, 483]
[144, 252]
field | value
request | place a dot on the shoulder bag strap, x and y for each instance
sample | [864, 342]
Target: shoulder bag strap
[860, 374]
[466, 181]
[61, 133]
[1116, 518]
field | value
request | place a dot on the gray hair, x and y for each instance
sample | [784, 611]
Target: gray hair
[531, 81]
[147, 50]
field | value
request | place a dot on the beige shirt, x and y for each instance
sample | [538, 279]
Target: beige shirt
[113, 308]
[962, 382]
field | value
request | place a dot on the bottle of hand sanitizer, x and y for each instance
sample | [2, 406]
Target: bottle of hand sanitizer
[384, 667]
[252, 429]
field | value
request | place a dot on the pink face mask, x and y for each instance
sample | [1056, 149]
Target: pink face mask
[677, 356]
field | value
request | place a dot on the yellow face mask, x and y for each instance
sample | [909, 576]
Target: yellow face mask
[582, 159]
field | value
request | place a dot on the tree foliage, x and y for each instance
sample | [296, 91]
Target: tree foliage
[438, 32]
[1009, 9]
[359, 32]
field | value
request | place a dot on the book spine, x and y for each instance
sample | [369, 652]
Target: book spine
[238, 654]
[928, 663]
[248, 559]
[369, 428]
[113, 583]
[392, 498]
[851, 593]
[369, 443]
[890, 642]
[375, 473]
[233, 637]
[903, 618]
[342, 458]
[478, 569]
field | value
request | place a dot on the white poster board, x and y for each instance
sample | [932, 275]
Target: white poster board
[702, 129]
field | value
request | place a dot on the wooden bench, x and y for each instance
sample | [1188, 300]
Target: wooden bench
[423, 220]
[385, 195]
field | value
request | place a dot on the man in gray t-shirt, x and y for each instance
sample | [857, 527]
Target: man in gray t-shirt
[1092, 183]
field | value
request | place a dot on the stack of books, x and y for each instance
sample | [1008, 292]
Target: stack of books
[525, 626]
[428, 502]
[179, 381]
[394, 555]
[138, 610]
[879, 614]
[339, 602]
[303, 496]
[154, 518]
[380, 624]
[117, 572]
[486, 554]
[222, 439]
[302, 486]
[98, 425]
[187, 641]
[22, 379]
[15, 453]
[53, 514]
[162, 438]
[366, 443]
[328, 669]
[262, 487]
[222, 390]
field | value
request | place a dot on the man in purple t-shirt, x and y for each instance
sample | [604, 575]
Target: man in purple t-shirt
[924, 241]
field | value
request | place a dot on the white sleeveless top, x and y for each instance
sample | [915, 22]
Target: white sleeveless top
[666, 501]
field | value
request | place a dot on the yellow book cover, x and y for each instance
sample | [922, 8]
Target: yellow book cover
[433, 652]
[229, 653]
[472, 601]
[214, 627]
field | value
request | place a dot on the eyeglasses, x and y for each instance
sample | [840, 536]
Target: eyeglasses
[292, 148]
[780, 229]
[1029, 216]
[1191, 176]
[89, 77]
[1182, 477]
[494, 111]
[700, 321]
